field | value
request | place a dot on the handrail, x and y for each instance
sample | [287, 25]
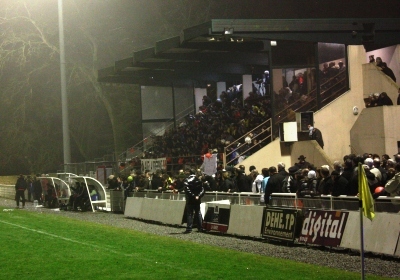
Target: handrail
[281, 115]
[235, 143]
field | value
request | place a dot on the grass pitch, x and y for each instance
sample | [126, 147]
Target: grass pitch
[36, 245]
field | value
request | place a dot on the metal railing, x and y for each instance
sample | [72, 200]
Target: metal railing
[328, 202]
[263, 138]
[330, 90]
[286, 200]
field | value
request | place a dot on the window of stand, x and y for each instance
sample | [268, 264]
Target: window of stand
[294, 92]
[333, 76]
[305, 88]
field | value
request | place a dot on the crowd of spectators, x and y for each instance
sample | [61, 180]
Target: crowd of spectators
[217, 124]
[303, 178]
[380, 99]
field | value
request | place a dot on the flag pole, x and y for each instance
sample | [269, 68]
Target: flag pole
[366, 206]
[361, 237]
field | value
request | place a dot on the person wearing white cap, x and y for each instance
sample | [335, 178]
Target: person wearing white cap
[316, 134]
[373, 169]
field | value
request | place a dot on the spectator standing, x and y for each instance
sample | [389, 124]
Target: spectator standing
[281, 169]
[29, 181]
[146, 182]
[378, 62]
[371, 59]
[302, 162]
[326, 184]
[250, 178]
[227, 184]
[194, 191]
[20, 187]
[37, 189]
[289, 184]
[339, 186]
[347, 170]
[156, 180]
[265, 173]
[316, 134]
[241, 180]
[393, 185]
[257, 182]
[388, 71]
[274, 184]
[384, 99]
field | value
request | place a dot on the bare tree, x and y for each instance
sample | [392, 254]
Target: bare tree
[29, 72]
[97, 33]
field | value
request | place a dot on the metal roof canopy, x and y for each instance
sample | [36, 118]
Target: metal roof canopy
[226, 49]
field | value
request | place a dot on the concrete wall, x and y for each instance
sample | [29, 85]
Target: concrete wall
[336, 119]
[373, 123]
[376, 81]
[270, 155]
[288, 153]
[390, 55]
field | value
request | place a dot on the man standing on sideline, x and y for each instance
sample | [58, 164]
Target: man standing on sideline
[37, 189]
[274, 184]
[20, 187]
[316, 134]
[194, 191]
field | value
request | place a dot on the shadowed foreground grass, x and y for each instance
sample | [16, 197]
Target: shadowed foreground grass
[35, 245]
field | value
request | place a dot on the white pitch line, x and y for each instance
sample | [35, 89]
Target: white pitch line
[91, 245]
[69, 239]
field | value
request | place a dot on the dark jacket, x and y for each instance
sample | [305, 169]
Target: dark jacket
[226, 185]
[21, 184]
[384, 101]
[37, 187]
[317, 136]
[325, 186]
[274, 185]
[340, 186]
[156, 182]
[193, 187]
[242, 183]
[347, 173]
[308, 186]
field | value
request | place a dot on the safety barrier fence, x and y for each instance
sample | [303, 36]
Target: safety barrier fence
[327, 221]
[287, 200]
[382, 204]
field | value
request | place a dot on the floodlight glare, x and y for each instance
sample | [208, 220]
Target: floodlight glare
[228, 30]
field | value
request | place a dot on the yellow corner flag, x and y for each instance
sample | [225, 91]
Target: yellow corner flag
[365, 194]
